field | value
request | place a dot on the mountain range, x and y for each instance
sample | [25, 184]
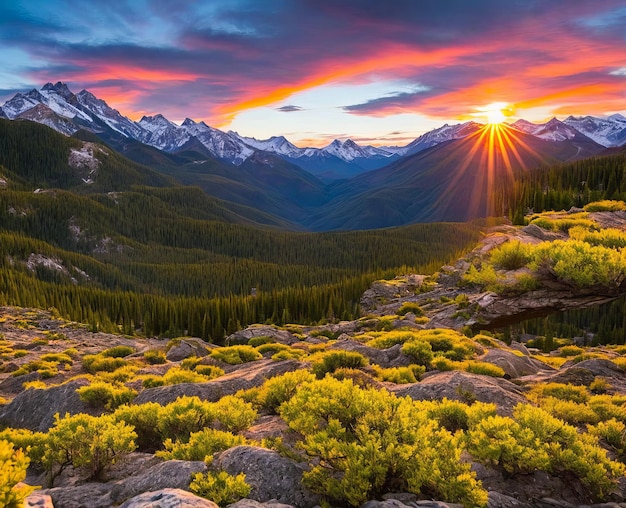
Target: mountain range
[340, 186]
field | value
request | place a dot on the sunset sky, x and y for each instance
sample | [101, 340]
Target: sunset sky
[379, 72]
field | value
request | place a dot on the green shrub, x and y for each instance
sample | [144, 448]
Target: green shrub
[609, 237]
[32, 443]
[389, 339]
[599, 385]
[220, 487]
[605, 206]
[562, 391]
[145, 420]
[535, 440]
[57, 358]
[567, 351]
[154, 357]
[450, 414]
[258, 341]
[98, 363]
[13, 465]
[105, 395]
[420, 351]
[289, 354]
[86, 442]
[272, 347]
[178, 419]
[484, 368]
[20, 353]
[209, 371]
[201, 446]
[400, 375]
[233, 413]
[512, 255]
[407, 307]
[117, 352]
[485, 277]
[569, 411]
[330, 361]
[121, 375]
[190, 362]
[442, 364]
[357, 440]
[613, 432]
[280, 389]
[235, 355]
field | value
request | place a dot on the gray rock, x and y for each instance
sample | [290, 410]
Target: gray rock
[168, 498]
[515, 366]
[89, 495]
[243, 336]
[38, 500]
[497, 500]
[246, 376]
[386, 358]
[395, 503]
[251, 503]
[186, 348]
[172, 474]
[466, 387]
[15, 385]
[35, 409]
[271, 476]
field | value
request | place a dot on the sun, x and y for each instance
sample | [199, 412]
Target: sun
[495, 112]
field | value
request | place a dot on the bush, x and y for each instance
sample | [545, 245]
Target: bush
[154, 357]
[209, 371]
[105, 395]
[117, 352]
[329, 361]
[145, 420]
[13, 465]
[233, 413]
[484, 369]
[420, 351]
[486, 277]
[389, 339]
[413, 307]
[613, 432]
[57, 358]
[98, 363]
[512, 255]
[235, 355]
[121, 375]
[605, 206]
[609, 237]
[258, 341]
[31, 443]
[289, 354]
[562, 391]
[178, 375]
[567, 351]
[184, 416]
[86, 442]
[220, 487]
[400, 375]
[357, 440]
[450, 414]
[280, 389]
[201, 446]
[272, 347]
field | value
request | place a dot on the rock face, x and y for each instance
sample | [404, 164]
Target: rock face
[515, 366]
[271, 476]
[247, 376]
[168, 498]
[186, 348]
[35, 409]
[243, 336]
[383, 291]
[465, 387]
[391, 357]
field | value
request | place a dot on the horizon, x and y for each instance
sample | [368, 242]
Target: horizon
[380, 75]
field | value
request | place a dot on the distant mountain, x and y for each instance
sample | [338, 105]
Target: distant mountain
[451, 181]
[608, 132]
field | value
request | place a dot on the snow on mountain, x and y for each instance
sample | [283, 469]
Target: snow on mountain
[161, 133]
[553, 130]
[111, 117]
[44, 115]
[20, 103]
[276, 144]
[437, 136]
[224, 145]
[63, 102]
[348, 150]
[607, 132]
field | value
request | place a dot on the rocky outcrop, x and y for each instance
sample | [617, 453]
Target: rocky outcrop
[168, 498]
[247, 376]
[37, 500]
[271, 476]
[513, 365]
[465, 387]
[186, 348]
[243, 336]
[391, 357]
[35, 409]
[251, 503]
[382, 291]
[396, 503]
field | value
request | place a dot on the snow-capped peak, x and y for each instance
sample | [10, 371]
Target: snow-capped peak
[348, 150]
[604, 131]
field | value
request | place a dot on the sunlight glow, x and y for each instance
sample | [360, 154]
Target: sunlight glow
[496, 112]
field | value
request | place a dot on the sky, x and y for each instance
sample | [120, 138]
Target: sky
[380, 72]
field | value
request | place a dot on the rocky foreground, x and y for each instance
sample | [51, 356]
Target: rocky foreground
[35, 392]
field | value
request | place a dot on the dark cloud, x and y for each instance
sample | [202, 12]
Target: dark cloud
[289, 108]
[399, 102]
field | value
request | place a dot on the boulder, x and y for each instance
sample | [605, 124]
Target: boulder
[88, 495]
[186, 348]
[243, 336]
[583, 373]
[497, 500]
[246, 376]
[251, 503]
[14, 385]
[392, 357]
[396, 503]
[34, 409]
[382, 291]
[168, 498]
[513, 365]
[38, 500]
[465, 387]
[271, 476]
